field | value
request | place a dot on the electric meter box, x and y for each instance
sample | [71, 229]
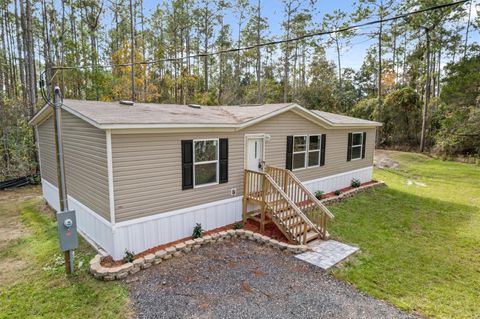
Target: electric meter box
[67, 230]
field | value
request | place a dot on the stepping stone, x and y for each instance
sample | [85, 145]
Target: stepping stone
[326, 254]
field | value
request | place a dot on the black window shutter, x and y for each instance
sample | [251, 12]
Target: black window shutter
[349, 148]
[288, 161]
[223, 156]
[363, 143]
[187, 164]
[322, 152]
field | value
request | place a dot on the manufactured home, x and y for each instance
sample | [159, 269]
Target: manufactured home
[143, 175]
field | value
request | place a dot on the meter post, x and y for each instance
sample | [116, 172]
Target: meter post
[65, 218]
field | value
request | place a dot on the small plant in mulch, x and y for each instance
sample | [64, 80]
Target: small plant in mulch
[355, 182]
[337, 192]
[197, 231]
[319, 194]
[129, 256]
[238, 226]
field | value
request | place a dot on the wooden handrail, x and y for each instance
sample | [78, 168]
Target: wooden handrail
[289, 201]
[302, 197]
[261, 185]
[312, 197]
[302, 187]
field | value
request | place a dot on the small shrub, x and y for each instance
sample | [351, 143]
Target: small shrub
[338, 192]
[355, 182]
[319, 194]
[237, 226]
[197, 231]
[129, 256]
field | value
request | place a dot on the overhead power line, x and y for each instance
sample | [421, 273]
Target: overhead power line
[275, 42]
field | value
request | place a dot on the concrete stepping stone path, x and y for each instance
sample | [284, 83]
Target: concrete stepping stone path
[326, 254]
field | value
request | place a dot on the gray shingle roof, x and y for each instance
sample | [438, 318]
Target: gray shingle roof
[149, 113]
[111, 115]
[342, 119]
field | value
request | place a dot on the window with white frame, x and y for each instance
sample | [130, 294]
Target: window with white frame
[306, 151]
[313, 150]
[299, 151]
[205, 162]
[357, 144]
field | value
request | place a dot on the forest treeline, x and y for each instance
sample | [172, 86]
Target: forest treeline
[428, 59]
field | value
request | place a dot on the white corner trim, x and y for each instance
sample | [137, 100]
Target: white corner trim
[108, 135]
[177, 212]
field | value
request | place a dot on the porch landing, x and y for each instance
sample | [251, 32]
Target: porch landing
[326, 254]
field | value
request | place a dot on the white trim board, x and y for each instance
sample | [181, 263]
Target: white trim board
[111, 197]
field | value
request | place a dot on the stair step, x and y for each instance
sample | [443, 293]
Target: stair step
[311, 235]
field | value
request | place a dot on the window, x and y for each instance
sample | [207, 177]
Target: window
[205, 164]
[306, 151]
[299, 151]
[313, 150]
[357, 144]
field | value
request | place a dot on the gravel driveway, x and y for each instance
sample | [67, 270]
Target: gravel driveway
[241, 279]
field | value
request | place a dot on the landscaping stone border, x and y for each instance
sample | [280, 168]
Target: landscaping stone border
[120, 272]
[351, 192]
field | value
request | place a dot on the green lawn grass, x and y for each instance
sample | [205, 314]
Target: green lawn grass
[419, 237]
[41, 289]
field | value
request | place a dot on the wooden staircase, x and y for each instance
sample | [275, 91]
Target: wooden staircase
[276, 195]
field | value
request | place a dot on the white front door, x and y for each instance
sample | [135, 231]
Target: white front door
[255, 148]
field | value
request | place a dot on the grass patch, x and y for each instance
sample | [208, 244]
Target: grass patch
[41, 289]
[419, 237]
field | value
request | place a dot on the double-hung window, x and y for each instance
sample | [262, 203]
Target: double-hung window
[205, 164]
[313, 150]
[306, 151]
[299, 151]
[357, 144]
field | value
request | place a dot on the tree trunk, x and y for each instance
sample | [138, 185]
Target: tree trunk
[426, 99]
[132, 50]
[29, 60]
[18, 33]
[259, 61]
[286, 62]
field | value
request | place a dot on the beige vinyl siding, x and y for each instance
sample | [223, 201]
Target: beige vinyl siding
[147, 167]
[85, 161]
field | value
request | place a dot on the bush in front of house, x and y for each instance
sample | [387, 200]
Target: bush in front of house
[238, 225]
[197, 231]
[129, 256]
[355, 183]
[337, 192]
[319, 194]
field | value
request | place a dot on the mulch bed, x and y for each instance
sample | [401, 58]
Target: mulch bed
[271, 230]
[346, 189]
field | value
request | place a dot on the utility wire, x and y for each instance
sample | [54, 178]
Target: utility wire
[259, 45]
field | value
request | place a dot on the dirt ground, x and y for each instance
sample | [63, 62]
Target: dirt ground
[12, 230]
[241, 279]
[382, 160]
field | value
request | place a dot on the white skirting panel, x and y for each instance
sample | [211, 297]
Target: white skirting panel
[140, 234]
[90, 224]
[332, 183]
[143, 233]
